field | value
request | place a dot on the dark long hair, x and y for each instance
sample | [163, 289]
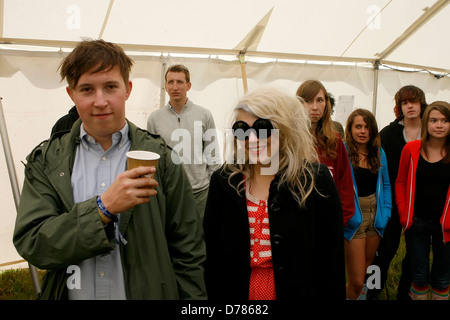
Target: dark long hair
[374, 157]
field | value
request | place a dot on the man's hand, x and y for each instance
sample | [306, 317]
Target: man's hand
[129, 189]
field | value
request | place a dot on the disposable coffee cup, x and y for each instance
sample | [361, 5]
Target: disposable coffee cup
[142, 158]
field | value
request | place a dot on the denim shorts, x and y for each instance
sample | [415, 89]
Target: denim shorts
[368, 207]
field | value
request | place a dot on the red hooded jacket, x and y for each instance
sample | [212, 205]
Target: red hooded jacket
[405, 186]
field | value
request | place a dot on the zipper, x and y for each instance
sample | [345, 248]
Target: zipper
[176, 113]
[410, 193]
[379, 183]
[443, 219]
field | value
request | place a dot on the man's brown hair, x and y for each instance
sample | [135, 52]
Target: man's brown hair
[94, 56]
[179, 68]
[412, 94]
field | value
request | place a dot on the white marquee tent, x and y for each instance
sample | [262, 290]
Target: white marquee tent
[362, 50]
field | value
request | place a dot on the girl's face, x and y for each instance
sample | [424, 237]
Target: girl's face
[360, 131]
[259, 150]
[438, 125]
[316, 106]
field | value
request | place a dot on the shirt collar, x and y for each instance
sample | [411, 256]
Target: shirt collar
[404, 132]
[119, 137]
[169, 106]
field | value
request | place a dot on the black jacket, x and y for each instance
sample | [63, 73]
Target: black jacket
[65, 122]
[392, 142]
[307, 243]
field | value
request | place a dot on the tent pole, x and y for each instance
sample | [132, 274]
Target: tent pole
[162, 94]
[15, 186]
[376, 66]
[243, 71]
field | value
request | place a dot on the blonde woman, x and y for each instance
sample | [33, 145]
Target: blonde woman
[273, 231]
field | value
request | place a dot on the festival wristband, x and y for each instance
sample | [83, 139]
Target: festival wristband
[105, 215]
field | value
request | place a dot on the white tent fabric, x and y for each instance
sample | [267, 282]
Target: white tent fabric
[340, 42]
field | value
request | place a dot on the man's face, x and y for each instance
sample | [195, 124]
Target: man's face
[177, 87]
[100, 100]
[411, 110]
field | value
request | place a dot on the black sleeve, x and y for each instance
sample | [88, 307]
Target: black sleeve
[328, 238]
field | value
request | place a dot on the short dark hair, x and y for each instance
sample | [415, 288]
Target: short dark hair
[179, 68]
[94, 56]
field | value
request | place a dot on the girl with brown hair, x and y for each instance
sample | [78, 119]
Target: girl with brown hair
[373, 201]
[330, 148]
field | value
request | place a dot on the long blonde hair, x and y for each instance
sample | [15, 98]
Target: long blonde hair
[296, 144]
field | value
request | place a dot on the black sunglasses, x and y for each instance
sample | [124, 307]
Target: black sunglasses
[261, 127]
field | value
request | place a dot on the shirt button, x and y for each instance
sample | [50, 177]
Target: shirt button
[103, 184]
[104, 158]
[255, 260]
[102, 273]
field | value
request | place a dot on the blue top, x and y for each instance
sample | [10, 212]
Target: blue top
[384, 202]
[101, 277]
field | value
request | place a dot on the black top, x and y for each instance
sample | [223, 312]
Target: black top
[432, 181]
[65, 122]
[307, 243]
[366, 181]
[392, 142]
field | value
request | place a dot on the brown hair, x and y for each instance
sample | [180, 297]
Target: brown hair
[326, 136]
[94, 56]
[179, 68]
[409, 93]
[374, 157]
[444, 108]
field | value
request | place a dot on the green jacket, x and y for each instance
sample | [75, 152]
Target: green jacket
[164, 251]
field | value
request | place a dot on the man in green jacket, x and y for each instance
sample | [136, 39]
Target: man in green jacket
[101, 231]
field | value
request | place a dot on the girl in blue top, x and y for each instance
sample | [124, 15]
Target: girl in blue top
[372, 198]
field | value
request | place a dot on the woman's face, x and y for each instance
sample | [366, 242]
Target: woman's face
[316, 106]
[260, 151]
[438, 125]
[360, 131]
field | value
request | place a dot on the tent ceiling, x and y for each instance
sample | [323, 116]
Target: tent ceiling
[337, 30]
